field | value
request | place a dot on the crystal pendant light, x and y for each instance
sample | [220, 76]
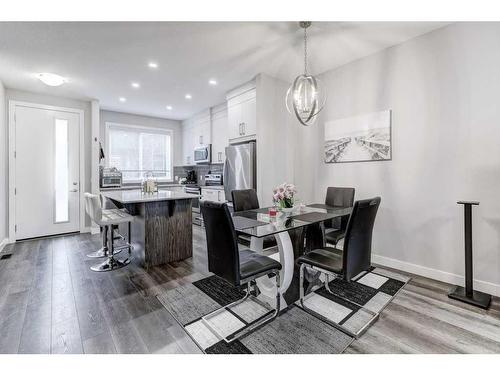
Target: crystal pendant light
[306, 97]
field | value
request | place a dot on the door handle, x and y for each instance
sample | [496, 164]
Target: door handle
[73, 191]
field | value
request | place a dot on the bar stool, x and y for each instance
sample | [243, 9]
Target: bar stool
[107, 219]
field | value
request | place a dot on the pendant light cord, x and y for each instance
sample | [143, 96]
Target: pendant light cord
[305, 50]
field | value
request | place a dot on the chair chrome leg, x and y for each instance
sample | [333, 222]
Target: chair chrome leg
[128, 238]
[356, 335]
[301, 284]
[254, 325]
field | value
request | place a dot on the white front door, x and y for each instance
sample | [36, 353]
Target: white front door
[47, 177]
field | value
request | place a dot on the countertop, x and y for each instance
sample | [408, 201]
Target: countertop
[136, 196]
[135, 187]
[214, 187]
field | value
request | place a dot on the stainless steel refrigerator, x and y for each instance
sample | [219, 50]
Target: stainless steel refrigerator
[239, 169]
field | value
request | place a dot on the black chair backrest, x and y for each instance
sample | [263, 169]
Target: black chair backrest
[223, 253]
[358, 237]
[342, 197]
[245, 200]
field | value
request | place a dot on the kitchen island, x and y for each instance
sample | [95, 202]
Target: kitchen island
[162, 227]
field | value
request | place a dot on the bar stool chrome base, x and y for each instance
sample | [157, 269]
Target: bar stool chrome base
[110, 264]
[102, 253]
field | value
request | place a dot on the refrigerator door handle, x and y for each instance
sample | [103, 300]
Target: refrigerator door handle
[225, 174]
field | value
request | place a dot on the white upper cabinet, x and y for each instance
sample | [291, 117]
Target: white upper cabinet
[196, 131]
[220, 138]
[242, 113]
[201, 133]
[187, 144]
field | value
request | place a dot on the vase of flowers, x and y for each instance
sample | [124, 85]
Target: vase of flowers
[283, 196]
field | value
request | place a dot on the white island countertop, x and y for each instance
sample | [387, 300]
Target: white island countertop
[136, 196]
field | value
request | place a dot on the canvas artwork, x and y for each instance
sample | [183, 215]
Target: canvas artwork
[365, 137]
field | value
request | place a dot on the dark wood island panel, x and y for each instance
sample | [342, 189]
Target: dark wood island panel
[162, 227]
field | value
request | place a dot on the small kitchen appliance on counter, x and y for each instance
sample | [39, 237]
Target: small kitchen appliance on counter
[110, 177]
[213, 179]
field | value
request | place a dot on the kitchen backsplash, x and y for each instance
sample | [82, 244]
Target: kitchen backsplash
[201, 170]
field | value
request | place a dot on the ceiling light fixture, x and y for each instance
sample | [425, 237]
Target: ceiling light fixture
[153, 65]
[51, 79]
[188, 96]
[135, 85]
[122, 99]
[305, 97]
[212, 82]
[169, 107]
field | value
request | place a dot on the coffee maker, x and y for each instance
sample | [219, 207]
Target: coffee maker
[191, 177]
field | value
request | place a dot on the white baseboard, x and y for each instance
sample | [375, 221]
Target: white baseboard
[432, 273]
[4, 242]
[91, 230]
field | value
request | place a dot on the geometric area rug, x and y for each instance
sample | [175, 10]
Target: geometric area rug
[294, 331]
[353, 305]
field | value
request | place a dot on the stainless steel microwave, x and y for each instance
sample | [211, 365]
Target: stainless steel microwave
[203, 154]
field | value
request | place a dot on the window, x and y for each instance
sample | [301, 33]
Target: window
[61, 172]
[136, 151]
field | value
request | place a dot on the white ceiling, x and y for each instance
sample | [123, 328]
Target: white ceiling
[101, 59]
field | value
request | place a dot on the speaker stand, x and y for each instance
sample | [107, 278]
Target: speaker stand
[468, 294]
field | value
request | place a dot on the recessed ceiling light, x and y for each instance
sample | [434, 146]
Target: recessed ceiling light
[122, 99]
[169, 107]
[51, 79]
[212, 82]
[153, 65]
[188, 96]
[135, 85]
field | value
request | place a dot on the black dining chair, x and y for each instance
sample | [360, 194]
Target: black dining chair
[239, 268]
[247, 200]
[338, 197]
[352, 260]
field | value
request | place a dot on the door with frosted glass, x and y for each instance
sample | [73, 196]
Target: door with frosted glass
[47, 196]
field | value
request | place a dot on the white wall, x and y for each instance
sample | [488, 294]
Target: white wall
[3, 168]
[443, 88]
[276, 135]
[153, 122]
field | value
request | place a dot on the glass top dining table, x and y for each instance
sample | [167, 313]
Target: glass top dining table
[258, 222]
[289, 229]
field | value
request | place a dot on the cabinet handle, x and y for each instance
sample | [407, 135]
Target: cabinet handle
[201, 139]
[243, 127]
[239, 127]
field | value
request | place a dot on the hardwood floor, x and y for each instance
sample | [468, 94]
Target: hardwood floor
[50, 302]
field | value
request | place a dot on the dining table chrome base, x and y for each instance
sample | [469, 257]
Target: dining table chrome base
[285, 256]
